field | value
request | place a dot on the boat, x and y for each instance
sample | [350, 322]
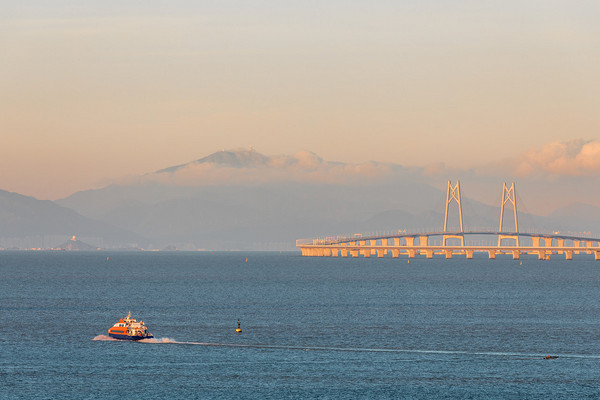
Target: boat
[129, 329]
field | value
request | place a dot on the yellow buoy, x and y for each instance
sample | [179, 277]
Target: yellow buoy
[238, 330]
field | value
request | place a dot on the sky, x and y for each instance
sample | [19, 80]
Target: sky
[95, 91]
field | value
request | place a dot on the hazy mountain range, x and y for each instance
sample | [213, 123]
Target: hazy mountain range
[247, 200]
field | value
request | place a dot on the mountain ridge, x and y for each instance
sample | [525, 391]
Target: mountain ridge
[258, 202]
[25, 219]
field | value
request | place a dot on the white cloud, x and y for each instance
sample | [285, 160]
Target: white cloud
[572, 158]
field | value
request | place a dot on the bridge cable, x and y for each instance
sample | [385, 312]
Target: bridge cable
[472, 215]
[530, 219]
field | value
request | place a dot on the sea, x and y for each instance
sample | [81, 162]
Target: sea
[312, 327]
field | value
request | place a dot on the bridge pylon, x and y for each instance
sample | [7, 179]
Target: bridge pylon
[453, 194]
[508, 196]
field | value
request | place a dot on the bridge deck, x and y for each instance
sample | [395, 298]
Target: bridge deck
[381, 245]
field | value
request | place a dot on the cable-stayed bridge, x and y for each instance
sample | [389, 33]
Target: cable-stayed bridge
[448, 242]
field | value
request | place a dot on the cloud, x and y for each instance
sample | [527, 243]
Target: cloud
[573, 158]
[553, 160]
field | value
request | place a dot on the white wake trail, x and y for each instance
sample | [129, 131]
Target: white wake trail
[355, 349]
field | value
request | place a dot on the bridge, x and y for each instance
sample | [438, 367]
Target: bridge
[428, 244]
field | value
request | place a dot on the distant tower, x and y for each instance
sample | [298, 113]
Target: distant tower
[508, 196]
[453, 193]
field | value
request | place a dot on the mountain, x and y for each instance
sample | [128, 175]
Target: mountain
[579, 217]
[235, 159]
[237, 217]
[26, 222]
[244, 200]
[267, 202]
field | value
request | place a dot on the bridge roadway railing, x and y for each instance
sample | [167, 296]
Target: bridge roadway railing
[327, 240]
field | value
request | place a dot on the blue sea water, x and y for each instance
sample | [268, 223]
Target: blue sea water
[331, 328]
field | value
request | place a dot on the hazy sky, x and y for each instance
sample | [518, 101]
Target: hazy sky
[96, 90]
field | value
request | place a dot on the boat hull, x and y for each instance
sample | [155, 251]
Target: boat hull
[128, 337]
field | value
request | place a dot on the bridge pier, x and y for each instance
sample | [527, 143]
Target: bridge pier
[395, 253]
[597, 255]
[344, 252]
[411, 253]
[516, 254]
[502, 237]
[568, 255]
[469, 254]
[492, 254]
[423, 240]
[460, 237]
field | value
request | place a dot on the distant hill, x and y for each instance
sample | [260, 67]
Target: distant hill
[301, 196]
[577, 217]
[244, 200]
[76, 245]
[578, 210]
[258, 202]
[27, 222]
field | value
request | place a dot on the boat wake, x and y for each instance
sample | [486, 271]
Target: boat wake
[357, 349]
[104, 337]
[159, 340]
[524, 356]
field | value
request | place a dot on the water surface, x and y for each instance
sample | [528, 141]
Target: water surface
[312, 327]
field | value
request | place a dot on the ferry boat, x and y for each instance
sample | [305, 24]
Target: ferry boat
[129, 329]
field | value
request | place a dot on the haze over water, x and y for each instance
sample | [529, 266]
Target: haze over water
[312, 327]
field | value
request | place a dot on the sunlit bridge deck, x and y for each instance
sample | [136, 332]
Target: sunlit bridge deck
[415, 244]
[448, 243]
